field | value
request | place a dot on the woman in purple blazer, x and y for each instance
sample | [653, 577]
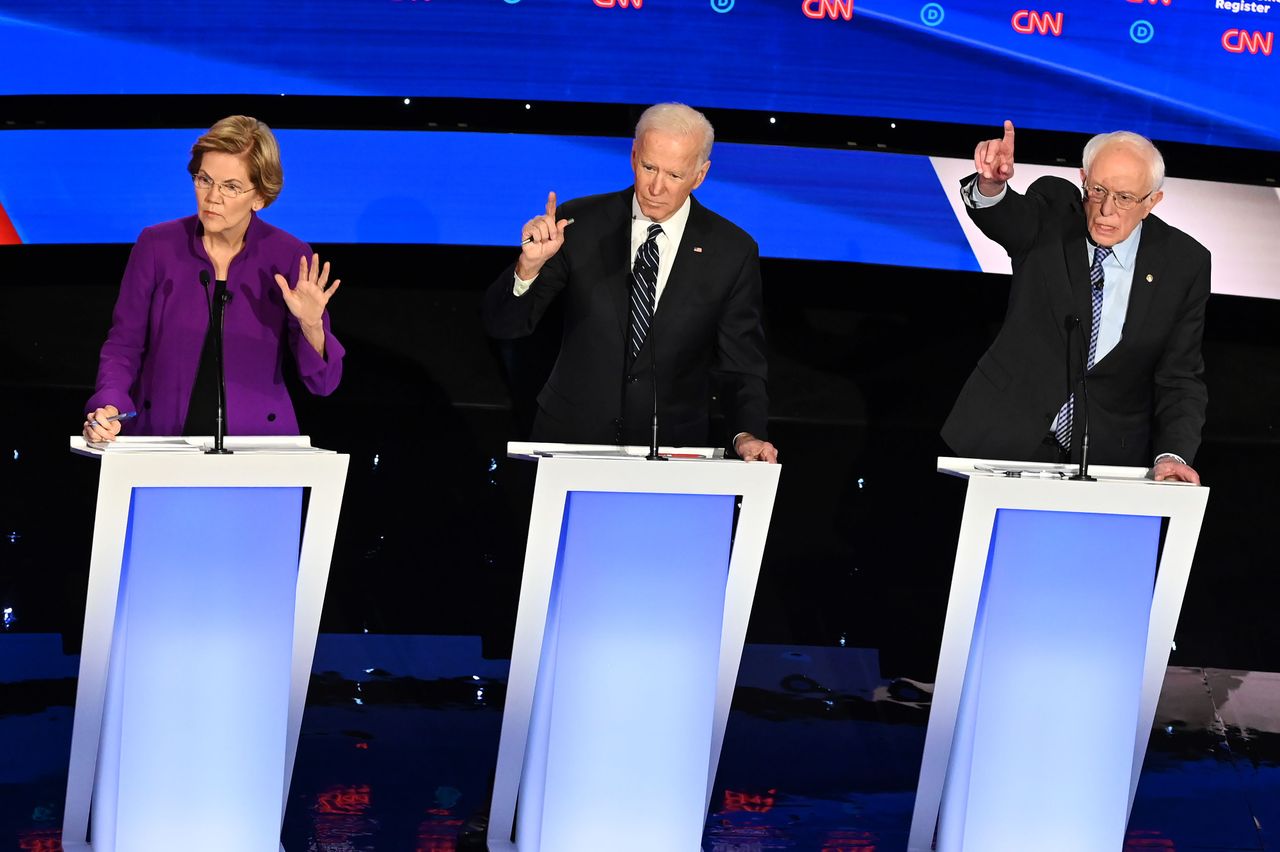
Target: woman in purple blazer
[157, 359]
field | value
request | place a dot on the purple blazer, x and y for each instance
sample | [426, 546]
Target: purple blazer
[148, 363]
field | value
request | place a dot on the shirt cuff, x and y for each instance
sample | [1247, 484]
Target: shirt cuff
[1179, 459]
[521, 286]
[974, 198]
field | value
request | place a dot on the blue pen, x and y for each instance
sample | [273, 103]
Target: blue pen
[126, 416]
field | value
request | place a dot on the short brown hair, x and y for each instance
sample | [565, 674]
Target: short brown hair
[243, 135]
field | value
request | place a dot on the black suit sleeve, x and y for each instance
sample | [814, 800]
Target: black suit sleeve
[741, 368]
[1180, 393]
[1015, 221]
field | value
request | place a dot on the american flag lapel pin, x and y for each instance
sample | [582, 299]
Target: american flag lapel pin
[698, 249]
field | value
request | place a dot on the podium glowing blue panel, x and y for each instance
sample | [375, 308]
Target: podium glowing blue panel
[1044, 739]
[193, 744]
[625, 699]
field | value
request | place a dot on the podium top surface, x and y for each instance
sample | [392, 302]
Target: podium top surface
[194, 445]
[685, 470]
[535, 451]
[255, 461]
[1001, 469]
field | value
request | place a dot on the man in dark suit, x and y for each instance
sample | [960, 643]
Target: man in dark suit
[1096, 279]
[651, 280]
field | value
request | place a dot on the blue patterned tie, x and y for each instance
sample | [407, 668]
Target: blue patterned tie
[644, 288]
[1100, 253]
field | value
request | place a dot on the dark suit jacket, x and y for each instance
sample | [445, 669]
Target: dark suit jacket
[1145, 397]
[706, 331]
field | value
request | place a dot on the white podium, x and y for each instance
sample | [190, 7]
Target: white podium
[638, 583]
[205, 589]
[1061, 617]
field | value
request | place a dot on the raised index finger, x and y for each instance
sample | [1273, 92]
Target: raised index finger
[551, 205]
[1008, 133]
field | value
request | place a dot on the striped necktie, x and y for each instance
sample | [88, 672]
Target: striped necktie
[644, 289]
[1065, 416]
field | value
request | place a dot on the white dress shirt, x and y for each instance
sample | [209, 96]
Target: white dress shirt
[668, 240]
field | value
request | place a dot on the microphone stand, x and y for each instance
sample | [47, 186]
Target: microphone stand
[653, 368]
[1082, 475]
[217, 318]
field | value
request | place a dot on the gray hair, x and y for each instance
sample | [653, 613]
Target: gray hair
[678, 120]
[1155, 161]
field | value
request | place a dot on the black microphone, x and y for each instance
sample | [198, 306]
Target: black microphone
[217, 314]
[1082, 475]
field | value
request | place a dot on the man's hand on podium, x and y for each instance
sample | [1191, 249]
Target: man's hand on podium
[1172, 469]
[750, 448]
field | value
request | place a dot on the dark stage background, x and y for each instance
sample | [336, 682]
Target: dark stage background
[865, 362]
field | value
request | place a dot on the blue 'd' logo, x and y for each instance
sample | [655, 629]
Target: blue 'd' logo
[1142, 31]
[722, 6]
[931, 14]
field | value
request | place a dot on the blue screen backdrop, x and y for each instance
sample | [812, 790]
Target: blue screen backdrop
[368, 186]
[1173, 69]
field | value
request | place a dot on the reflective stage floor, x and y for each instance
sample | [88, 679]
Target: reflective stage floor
[821, 753]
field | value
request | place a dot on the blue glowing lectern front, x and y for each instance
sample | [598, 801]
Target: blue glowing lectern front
[206, 581]
[638, 582]
[1063, 605]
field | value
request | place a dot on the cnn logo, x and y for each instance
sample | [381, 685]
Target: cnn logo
[1239, 41]
[621, 4]
[1027, 22]
[832, 9]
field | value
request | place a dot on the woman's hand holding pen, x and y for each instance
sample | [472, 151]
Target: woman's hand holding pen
[104, 423]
